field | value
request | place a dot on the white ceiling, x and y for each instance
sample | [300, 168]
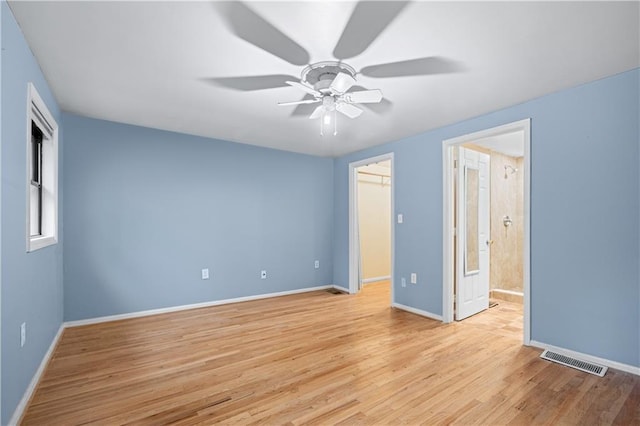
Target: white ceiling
[155, 63]
[511, 144]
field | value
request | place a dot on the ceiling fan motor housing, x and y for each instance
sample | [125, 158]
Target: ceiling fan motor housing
[321, 74]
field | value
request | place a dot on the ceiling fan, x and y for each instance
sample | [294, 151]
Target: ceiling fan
[328, 82]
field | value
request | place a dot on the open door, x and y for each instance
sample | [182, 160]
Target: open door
[473, 240]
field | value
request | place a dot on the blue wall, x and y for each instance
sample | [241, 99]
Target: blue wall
[31, 282]
[146, 210]
[585, 284]
[1, 44]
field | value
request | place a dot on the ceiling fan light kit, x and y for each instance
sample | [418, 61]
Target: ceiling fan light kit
[328, 82]
[329, 117]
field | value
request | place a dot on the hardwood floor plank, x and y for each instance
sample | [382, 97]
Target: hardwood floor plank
[630, 410]
[318, 358]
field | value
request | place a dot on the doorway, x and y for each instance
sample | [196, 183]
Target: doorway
[368, 179]
[469, 276]
[374, 220]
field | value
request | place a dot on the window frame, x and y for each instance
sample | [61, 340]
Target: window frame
[38, 114]
[36, 178]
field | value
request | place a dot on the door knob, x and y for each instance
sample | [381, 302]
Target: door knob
[489, 242]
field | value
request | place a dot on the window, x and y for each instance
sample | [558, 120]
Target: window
[35, 196]
[42, 174]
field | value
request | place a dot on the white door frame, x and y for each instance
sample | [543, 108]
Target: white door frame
[354, 247]
[448, 209]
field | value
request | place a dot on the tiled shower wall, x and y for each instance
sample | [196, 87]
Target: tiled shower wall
[506, 200]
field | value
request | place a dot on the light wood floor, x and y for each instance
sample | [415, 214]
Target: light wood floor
[319, 358]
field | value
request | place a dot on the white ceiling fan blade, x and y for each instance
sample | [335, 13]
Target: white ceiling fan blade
[308, 89]
[342, 83]
[348, 109]
[317, 113]
[306, 101]
[363, 97]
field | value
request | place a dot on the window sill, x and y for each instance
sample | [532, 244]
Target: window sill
[40, 242]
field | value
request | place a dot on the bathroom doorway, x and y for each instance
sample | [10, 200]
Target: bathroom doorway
[486, 243]
[505, 155]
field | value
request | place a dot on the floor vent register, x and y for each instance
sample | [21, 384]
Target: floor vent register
[587, 367]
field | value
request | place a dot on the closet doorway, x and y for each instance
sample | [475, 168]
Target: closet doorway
[371, 224]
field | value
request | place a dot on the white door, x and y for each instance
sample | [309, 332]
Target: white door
[473, 239]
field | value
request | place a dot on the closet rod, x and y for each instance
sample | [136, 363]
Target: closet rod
[374, 174]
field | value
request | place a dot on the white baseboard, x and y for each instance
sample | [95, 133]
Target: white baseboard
[417, 311]
[138, 314]
[597, 360]
[26, 397]
[376, 279]
[342, 289]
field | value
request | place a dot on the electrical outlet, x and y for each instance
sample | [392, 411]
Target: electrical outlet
[23, 334]
[400, 218]
[317, 264]
[403, 282]
[414, 278]
[205, 274]
[263, 275]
